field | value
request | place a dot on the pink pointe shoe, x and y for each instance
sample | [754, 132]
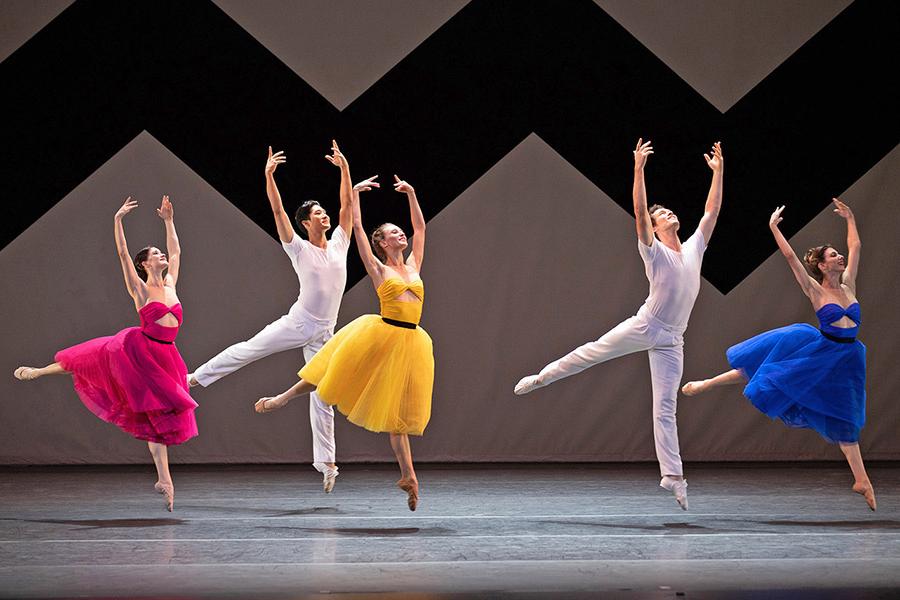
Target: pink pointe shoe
[167, 490]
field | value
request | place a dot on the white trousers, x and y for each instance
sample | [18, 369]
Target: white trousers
[665, 346]
[287, 333]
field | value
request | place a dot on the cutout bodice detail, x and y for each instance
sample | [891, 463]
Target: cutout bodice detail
[833, 312]
[152, 312]
[391, 289]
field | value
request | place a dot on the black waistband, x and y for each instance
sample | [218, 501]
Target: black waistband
[839, 340]
[397, 323]
[151, 338]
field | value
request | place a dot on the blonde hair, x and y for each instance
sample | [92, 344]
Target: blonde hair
[377, 238]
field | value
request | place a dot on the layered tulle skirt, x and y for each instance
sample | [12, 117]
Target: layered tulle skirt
[805, 379]
[135, 383]
[380, 376]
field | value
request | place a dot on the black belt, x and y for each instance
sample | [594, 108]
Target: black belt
[150, 337]
[397, 323]
[839, 340]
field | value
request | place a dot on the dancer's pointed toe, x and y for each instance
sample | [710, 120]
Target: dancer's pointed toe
[678, 487]
[411, 487]
[25, 373]
[328, 479]
[692, 388]
[866, 490]
[527, 384]
[167, 490]
[264, 405]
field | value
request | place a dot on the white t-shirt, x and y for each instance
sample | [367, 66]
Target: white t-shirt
[322, 275]
[674, 278]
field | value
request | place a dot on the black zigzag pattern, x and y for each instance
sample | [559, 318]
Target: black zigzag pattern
[104, 71]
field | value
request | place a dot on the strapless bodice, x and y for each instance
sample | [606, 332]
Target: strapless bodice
[409, 311]
[151, 312]
[832, 312]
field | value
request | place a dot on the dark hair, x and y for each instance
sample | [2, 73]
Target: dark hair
[139, 259]
[652, 210]
[302, 214]
[378, 236]
[811, 261]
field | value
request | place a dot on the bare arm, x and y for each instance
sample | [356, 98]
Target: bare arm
[639, 193]
[714, 199]
[418, 223]
[853, 244]
[282, 222]
[809, 285]
[345, 219]
[173, 248]
[374, 267]
[133, 283]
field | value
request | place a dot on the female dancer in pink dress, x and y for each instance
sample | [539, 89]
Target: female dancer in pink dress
[136, 379]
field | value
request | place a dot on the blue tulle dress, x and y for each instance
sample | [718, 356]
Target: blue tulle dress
[808, 377]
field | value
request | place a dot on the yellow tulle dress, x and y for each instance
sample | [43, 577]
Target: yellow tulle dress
[377, 374]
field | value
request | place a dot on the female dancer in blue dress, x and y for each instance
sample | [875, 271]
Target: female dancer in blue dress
[807, 377]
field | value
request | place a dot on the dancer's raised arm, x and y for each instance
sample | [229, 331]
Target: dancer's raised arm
[642, 218]
[853, 244]
[807, 283]
[418, 223]
[374, 267]
[345, 218]
[716, 162]
[282, 222]
[133, 283]
[173, 248]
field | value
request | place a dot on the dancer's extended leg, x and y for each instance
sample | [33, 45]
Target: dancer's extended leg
[321, 421]
[29, 373]
[164, 485]
[271, 403]
[732, 377]
[278, 336]
[626, 337]
[666, 364]
[408, 482]
[862, 485]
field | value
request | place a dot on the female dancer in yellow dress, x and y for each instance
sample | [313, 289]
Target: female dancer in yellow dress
[379, 369]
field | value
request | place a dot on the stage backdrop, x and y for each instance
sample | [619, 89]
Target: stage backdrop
[515, 122]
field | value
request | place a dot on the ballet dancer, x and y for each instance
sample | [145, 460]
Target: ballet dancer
[136, 379]
[808, 377]
[673, 269]
[321, 267]
[379, 369]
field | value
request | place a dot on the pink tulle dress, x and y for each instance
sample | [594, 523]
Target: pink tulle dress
[136, 379]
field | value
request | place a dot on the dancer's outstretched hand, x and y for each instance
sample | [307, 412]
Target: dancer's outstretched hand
[367, 184]
[641, 151]
[716, 161]
[274, 160]
[402, 187]
[165, 210]
[775, 219]
[336, 158]
[842, 209]
[128, 206]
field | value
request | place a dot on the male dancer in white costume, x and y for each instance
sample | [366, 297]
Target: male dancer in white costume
[321, 267]
[673, 269]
